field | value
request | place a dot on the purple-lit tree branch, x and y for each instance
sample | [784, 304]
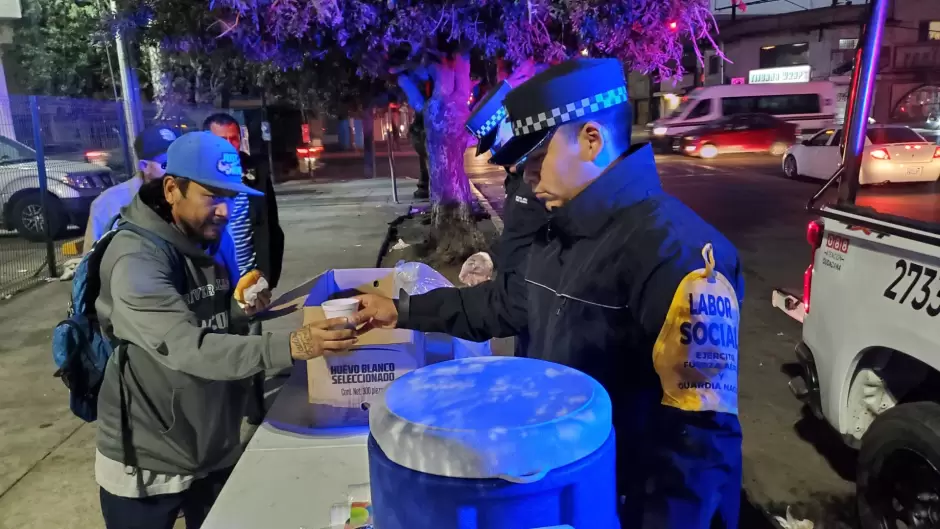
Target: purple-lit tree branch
[413, 40]
[648, 35]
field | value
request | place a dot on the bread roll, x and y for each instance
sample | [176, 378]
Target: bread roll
[244, 283]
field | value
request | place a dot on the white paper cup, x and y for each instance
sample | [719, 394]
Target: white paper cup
[340, 308]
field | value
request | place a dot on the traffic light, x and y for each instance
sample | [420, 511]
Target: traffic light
[673, 25]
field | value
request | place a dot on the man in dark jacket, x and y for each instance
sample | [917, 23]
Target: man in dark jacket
[262, 239]
[255, 230]
[523, 216]
[419, 140]
[605, 292]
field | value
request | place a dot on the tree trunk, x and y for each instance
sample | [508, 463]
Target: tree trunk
[454, 236]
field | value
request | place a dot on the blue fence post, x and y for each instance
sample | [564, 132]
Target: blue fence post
[125, 146]
[43, 188]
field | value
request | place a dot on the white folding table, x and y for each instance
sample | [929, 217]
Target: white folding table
[288, 480]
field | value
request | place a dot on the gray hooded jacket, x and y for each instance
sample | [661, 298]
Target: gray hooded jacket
[186, 375]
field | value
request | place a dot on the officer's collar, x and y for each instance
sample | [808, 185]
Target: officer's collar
[629, 180]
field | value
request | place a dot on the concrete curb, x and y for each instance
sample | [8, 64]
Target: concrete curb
[494, 216]
[390, 235]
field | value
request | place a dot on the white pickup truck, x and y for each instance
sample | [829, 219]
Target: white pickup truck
[71, 187]
[870, 347]
[870, 354]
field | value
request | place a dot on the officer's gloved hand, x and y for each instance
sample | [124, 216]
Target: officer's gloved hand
[478, 268]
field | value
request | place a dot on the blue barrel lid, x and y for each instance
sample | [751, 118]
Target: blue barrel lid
[488, 417]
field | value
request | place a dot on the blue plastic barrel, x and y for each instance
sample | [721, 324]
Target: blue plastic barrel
[493, 443]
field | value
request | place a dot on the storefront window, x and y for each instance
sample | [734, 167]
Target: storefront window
[784, 55]
[920, 107]
[932, 30]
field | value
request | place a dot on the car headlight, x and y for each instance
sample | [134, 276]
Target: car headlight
[80, 181]
[690, 138]
[660, 131]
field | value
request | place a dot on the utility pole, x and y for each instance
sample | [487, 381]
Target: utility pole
[860, 99]
[130, 87]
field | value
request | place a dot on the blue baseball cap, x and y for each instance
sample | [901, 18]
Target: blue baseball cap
[154, 141]
[209, 160]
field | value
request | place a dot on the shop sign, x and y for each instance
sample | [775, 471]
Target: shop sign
[786, 74]
[917, 57]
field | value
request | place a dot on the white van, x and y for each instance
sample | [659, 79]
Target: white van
[809, 106]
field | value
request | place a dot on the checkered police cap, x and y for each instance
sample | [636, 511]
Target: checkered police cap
[570, 111]
[566, 92]
[491, 123]
[489, 112]
[486, 118]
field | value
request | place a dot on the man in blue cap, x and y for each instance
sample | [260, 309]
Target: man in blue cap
[171, 403]
[628, 285]
[151, 145]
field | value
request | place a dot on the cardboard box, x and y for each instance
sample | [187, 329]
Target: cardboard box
[354, 379]
[312, 401]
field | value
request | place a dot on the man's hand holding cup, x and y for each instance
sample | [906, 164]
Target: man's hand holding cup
[323, 338]
[336, 334]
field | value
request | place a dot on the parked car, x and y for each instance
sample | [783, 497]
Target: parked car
[71, 186]
[893, 153]
[737, 134]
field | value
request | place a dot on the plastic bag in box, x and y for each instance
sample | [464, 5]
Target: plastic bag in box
[419, 278]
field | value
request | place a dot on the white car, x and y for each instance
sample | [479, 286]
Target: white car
[71, 186]
[893, 153]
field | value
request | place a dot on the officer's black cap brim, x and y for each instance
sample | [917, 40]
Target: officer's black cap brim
[517, 148]
[487, 141]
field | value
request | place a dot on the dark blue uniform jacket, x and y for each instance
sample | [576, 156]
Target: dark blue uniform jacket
[594, 296]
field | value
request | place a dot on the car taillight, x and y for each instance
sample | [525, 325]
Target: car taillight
[936, 153]
[880, 154]
[814, 236]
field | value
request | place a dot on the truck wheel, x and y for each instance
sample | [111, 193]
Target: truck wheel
[897, 480]
[27, 217]
[790, 169]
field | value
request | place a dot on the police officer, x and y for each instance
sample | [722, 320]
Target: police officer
[524, 216]
[603, 293]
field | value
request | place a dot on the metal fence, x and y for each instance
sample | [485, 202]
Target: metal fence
[56, 156]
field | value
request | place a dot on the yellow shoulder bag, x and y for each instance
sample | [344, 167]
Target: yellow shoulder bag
[696, 354]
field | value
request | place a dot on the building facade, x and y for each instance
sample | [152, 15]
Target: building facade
[819, 44]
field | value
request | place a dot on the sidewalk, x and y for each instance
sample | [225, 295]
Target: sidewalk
[46, 454]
